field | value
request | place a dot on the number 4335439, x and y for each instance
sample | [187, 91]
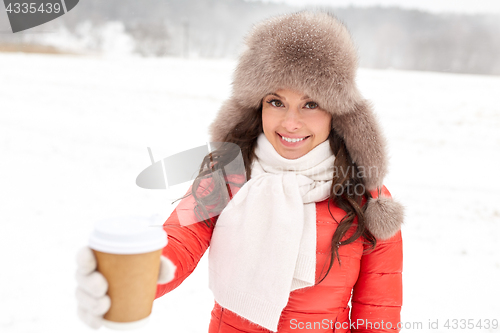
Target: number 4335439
[32, 8]
[471, 323]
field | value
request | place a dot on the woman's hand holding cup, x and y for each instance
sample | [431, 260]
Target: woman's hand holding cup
[91, 289]
[109, 273]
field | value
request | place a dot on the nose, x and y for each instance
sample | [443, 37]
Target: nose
[292, 120]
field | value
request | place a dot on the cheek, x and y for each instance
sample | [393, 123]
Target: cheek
[268, 121]
[323, 127]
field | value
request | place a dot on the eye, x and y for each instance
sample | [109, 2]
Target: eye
[312, 105]
[276, 103]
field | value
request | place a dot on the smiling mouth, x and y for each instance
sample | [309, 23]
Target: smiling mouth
[292, 140]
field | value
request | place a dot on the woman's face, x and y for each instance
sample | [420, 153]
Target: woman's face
[294, 123]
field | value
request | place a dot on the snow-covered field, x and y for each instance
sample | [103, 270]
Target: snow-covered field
[73, 137]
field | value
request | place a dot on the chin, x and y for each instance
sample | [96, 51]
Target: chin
[292, 155]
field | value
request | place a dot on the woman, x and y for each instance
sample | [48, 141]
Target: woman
[313, 228]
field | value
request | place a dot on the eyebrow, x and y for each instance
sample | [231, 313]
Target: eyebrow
[275, 94]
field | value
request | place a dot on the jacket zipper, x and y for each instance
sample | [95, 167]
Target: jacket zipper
[220, 319]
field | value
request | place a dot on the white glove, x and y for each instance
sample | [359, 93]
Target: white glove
[91, 289]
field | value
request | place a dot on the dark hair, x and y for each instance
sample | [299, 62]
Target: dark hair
[344, 191]
[345, 195]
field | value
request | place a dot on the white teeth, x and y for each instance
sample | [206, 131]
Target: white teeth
[292, 140]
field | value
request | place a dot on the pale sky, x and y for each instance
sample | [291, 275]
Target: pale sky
[436, 6]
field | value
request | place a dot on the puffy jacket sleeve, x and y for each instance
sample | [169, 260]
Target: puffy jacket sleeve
[377, 294]
[186, 245]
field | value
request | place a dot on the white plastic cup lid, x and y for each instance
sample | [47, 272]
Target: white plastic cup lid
[127, 235]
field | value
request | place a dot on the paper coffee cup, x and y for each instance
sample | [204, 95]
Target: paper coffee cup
[128, 254]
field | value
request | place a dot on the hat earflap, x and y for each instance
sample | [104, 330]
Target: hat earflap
[367, 147]
[364, 142]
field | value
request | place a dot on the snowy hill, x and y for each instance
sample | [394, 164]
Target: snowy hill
[73, 137]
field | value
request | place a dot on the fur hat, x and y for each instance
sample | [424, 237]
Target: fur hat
[312, 52]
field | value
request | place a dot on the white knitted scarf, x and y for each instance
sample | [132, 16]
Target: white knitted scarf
[264, 242]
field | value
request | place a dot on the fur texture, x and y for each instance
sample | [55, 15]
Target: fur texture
[365, 143]
[310, 52]
[384, 217]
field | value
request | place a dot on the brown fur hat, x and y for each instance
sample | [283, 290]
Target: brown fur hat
[310, 52]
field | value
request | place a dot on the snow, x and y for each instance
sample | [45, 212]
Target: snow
[74, 133]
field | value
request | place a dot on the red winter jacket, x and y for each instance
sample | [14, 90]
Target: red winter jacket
[374, 278]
